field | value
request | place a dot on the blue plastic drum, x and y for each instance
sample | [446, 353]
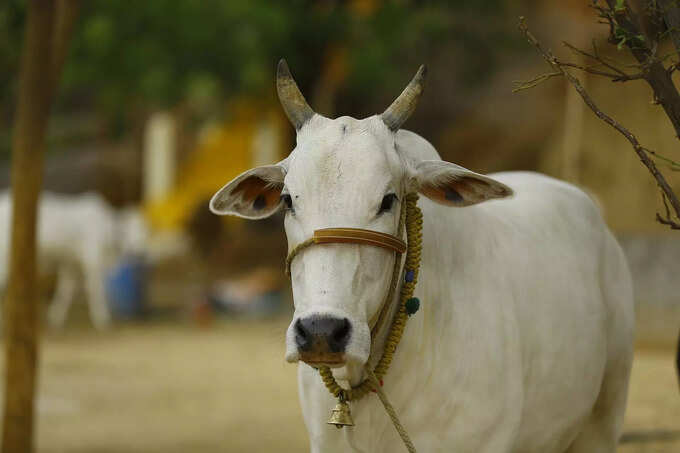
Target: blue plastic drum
[126, 288]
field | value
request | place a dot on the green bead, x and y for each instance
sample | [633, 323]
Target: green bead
[412, 305]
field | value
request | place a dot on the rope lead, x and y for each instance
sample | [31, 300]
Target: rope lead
[391, 412]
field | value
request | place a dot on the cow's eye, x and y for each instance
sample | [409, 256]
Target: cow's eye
[287, 200]
[387, 202]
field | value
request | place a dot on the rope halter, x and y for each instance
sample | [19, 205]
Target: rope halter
[410, 218]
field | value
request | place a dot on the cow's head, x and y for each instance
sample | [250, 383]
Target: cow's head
[344, 172]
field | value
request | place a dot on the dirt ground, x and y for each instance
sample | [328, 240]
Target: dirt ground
[169, 388]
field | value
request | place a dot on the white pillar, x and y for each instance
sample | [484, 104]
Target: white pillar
[159, 156]
[265, 144]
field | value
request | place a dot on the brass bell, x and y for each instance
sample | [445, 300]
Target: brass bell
[341, 415]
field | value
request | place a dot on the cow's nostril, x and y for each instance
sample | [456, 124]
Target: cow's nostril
[301, 335]
[341, 331]
[300, 329]
[339, 335]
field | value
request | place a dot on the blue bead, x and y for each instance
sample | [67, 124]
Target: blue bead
[410, 275]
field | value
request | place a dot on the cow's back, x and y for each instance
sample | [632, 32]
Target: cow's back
[76, 228]
[574, 307]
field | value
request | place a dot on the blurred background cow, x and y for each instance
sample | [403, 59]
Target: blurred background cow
[80, 237]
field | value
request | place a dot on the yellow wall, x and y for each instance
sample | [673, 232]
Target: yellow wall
[222, 153]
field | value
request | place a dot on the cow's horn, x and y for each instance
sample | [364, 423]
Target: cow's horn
[402, 107]
[292, 100]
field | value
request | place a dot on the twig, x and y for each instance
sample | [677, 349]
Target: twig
[519, 85]
[639, 149]
[595, 57]
[616, 74]
[672, 165]
[667, 220]
[611, 75]
[599, 57]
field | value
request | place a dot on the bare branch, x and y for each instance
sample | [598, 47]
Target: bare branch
[667, 220]
[596, 56]
[616, 74]
[519, 85]
[611, 75]
[639, 149]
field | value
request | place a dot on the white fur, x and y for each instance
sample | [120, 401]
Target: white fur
[80, 236]
[523, 342]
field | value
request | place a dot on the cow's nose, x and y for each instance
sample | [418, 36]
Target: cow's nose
[322, 334]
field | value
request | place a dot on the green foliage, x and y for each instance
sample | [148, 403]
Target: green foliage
[136, 56]
[157, 52]
[625, 37]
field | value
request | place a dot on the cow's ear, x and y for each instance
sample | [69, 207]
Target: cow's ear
[452, 185]
[254, 194]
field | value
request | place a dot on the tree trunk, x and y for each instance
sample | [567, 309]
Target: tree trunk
[671, 16]
[41, 60]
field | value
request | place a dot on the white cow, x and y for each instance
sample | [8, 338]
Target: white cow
[524, 339]
[79, 237]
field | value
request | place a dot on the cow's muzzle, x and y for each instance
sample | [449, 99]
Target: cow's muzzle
[321, 340]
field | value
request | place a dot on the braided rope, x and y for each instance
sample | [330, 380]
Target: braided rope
[391, 412]
[414, 235]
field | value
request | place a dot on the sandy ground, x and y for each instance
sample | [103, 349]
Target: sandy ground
[168, 388]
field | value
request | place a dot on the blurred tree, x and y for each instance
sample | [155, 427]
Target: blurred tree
[126, 61]
[48, 27]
